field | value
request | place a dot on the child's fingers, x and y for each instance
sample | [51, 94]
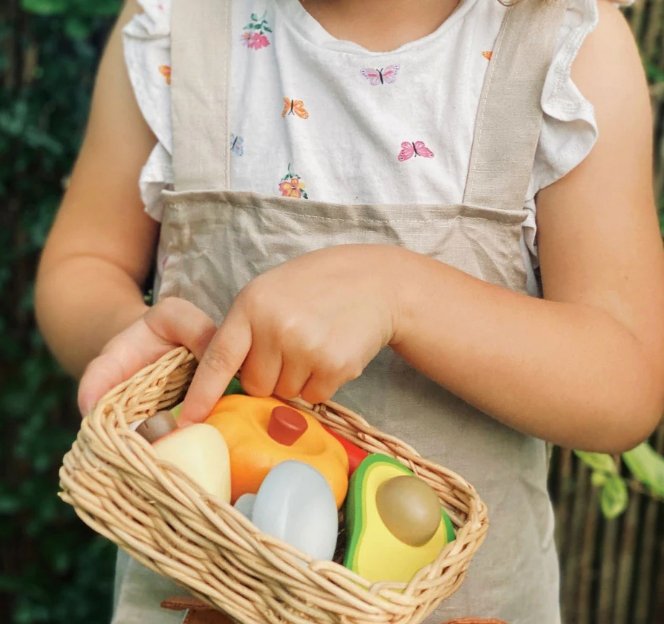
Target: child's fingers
[169, 323]
[101, 374]
[124, 355]
[261, 368]
[330, 374]
[319, 388]
[222, 359]
[179, 322]
[295, 372]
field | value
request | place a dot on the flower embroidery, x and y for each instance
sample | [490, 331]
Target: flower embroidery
[292, 186]
[487, 54]
[254, 36]
[165, 71]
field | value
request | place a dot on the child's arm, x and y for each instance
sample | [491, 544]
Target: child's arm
[101, 246]
[583, 368]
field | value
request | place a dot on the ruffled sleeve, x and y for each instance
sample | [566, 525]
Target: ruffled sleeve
[146, 40]
[569, 129]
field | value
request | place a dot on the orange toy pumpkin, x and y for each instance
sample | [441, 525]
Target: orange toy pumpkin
[263, 432]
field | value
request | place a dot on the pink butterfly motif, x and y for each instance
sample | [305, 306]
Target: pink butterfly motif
[414, 148]
[384, 75]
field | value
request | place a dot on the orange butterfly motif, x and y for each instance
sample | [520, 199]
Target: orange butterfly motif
[165, 71]
[294, 107]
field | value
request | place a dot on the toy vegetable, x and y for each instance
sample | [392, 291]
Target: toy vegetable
[354, 452]
[263, 432]
[295, 504]
[198, 450]
[394, 521]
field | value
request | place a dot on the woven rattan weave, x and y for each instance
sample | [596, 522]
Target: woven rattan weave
[153, 511]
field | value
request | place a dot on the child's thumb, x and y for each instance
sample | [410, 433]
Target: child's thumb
[101, 374]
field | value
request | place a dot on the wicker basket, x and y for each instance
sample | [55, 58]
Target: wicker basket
[153, 511]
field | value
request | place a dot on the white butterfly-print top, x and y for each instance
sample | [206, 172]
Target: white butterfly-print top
[315, 117]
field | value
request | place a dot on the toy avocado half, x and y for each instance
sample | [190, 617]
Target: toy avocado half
[372, 549]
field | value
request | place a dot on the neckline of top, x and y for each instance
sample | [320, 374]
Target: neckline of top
[308, 28]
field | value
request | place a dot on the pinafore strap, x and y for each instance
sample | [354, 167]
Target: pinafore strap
[509, 116]
[200, 58]
[508, 121]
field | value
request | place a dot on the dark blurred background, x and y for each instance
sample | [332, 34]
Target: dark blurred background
[53, 568]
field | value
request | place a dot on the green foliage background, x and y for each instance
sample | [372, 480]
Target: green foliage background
[53, 569]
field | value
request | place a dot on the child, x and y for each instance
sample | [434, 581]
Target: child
[345, 197]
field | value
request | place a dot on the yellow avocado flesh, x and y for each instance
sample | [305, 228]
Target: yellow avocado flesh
[373, 551]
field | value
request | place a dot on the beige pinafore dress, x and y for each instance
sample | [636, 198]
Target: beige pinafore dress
[216, 240]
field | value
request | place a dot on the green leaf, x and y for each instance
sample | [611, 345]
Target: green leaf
[598, 479]
[598, 461]
[10, 503]
[647, 466]
[614, 497]
[77, 28]
[102, 7]
[44, 7]
[654, 72]
[267, 29]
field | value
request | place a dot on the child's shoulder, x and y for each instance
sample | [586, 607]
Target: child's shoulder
[608, 66]
[610, 27]
[609, 72]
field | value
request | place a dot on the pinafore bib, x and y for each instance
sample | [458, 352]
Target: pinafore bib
[215, 240]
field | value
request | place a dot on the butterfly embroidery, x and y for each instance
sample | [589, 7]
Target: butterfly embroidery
[414, 148]
[237, 144]
[384, 75]
[165, 71]
[294, 107]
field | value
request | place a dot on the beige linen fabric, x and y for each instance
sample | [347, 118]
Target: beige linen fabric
[215, 240]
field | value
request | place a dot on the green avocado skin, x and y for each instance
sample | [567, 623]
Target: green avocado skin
[355, 515]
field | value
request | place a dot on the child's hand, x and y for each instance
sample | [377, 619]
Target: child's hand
[168, 324]
[303, 328]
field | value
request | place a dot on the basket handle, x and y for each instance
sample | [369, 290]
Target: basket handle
[200, 613]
